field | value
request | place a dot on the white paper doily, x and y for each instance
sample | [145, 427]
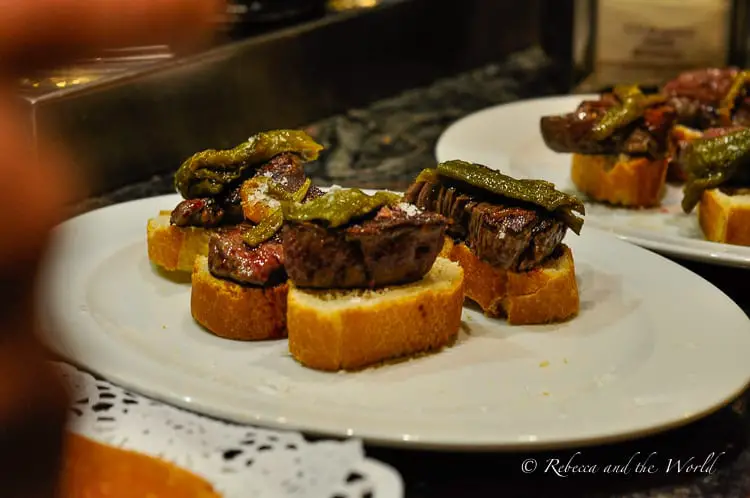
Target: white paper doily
[239, 461]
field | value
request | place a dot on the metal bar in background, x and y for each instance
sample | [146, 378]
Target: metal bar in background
[140, 123]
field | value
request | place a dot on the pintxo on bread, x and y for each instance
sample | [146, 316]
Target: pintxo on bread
[239, 290]
[619, 145]
[231, 198]
[507, 235]
[367, 284]
[210, 183]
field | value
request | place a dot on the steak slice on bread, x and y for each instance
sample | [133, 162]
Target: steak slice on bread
[366, 284]
[239, 292]
[507, 236]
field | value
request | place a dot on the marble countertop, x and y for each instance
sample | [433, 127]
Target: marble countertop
[384, 146]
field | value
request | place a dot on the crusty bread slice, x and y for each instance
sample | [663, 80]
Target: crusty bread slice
[175, 248]
[546, 294]
[235, 311]
[350, 330]
[620, 180]
[725, 218]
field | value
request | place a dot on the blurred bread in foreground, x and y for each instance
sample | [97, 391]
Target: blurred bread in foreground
[96, 470]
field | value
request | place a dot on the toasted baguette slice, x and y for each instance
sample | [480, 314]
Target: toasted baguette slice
[175, 248]
[620, 180]
[351, 330]
[235, 311]
[545, 294]
[725, 218]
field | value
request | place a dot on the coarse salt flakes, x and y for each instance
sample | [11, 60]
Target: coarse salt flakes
[409, 209]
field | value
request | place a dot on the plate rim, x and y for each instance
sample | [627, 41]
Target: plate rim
[168, 395]
[708, 252]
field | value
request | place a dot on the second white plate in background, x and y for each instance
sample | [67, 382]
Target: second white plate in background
[507, 138]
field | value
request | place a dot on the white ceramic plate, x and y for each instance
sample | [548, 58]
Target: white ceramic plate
[507, 138]
[655, 346]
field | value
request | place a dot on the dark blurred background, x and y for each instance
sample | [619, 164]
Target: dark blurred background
[134, 112]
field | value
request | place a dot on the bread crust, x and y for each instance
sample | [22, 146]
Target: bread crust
[620, 180]
[175, 248]
[234, 311]
[725, 218]
[546, 294]
[352, 330]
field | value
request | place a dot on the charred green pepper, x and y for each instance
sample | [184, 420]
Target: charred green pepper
[633, 104]
[712, 162]
[277, 192]
[538, 192]
[266, 229]
[427, 175]
[209, 172]
[625, 92]
[338, 207]
[730, 99]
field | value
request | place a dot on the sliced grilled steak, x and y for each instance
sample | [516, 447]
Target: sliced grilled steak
[452, 204]
[707, 86]
[510, 237]
[513, 238]
[572, 132]
[394, 247]
[286, 170]
[209, 212]
[640, 142]
[697, 96]
[232, 204]
[204, 212]
[230, 258]
[658, 121]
